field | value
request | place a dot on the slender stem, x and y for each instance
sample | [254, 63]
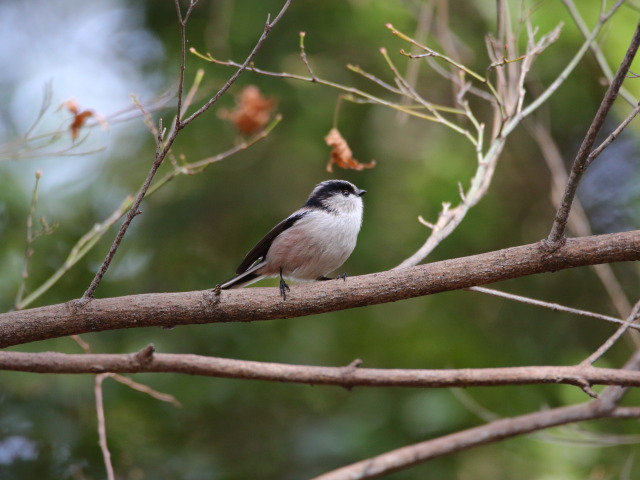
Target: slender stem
[29, 242]
[303, 56]
[79, 250]
[88, 241]
[183, 47]
[179, 124]
[556, 307]
[267, 29]
[146, 389]
[161, 154]
[125, 225]
[408, 90]
[633, 316]
[348, 90]
[613, 135]
[433, 53]
[102, 429]
[581, 161]
[595, 48]
[551, 89]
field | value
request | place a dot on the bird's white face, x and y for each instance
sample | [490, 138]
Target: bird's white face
[344, 202]
[337, 197]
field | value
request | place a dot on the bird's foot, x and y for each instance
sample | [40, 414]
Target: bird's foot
[284, 288]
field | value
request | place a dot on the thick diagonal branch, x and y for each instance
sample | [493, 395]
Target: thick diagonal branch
[171, 309]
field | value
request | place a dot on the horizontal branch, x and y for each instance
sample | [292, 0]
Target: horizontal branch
[147, 361]
[605, 406]
[245, 305]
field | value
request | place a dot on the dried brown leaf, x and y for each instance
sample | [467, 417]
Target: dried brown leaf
[252, 112]
[341, 154]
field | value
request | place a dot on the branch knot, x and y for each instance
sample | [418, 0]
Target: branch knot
[145, 356]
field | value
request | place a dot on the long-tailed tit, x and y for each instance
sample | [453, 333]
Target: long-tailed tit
[309, 244]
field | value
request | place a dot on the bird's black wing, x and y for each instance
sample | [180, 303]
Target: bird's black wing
[262, 247]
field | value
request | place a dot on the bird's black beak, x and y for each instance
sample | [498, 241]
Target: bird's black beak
[361, 192]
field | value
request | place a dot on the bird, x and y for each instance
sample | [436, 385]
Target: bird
[310, 243]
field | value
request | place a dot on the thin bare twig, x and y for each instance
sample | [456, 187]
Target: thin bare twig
[595, 48]
[102, 429]
[424, 17]
[161, 154]
[305, 60]
[182, 22]
[87, 241]
[556, 235]
[146, 389]
[508, 112]
[77, 252]
[351, 92]
[178, 125]
[244, 66]
[29, 242]
[612, 136]
[551, 306]
[44, 106]
[633, 316]
[86, 348]
[133, 212]
[578, 221]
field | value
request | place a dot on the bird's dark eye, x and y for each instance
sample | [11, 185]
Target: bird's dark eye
[345, 193]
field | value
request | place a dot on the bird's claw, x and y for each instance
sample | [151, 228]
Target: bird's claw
[284, 288]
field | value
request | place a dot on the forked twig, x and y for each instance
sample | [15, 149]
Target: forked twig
[595, 48]
[612, 136]
[178, 125]
[556, 235]
[633, 317]
[578, 221]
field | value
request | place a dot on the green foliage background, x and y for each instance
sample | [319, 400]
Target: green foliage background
[194, 231]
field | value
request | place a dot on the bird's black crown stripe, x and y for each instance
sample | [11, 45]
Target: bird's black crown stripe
[327, 189]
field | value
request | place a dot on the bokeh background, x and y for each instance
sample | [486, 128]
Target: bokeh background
[194, 231]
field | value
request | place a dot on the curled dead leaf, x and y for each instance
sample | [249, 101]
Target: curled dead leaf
[341, 154]
[252, 112]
